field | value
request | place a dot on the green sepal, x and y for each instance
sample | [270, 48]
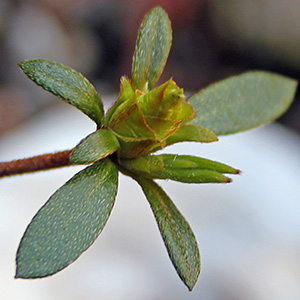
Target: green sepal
[69, 222]
[94, 147]
[165, 101]
[128, 121]
[164, 109]
[67, 84]
[178, 237]
[191, 133]
[152, 49]
[131, 148]
[183, 168]
[126, 92]
[242, 102]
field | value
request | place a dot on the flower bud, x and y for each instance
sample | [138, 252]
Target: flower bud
[143, 121]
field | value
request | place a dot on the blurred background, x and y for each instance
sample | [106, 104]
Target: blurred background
[248, 231]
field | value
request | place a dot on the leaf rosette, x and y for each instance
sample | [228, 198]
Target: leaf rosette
[144, 119]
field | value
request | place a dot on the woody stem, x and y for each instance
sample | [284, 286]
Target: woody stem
[36, 163]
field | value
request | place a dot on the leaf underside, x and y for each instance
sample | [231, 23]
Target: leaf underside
[242, 102]
[177, 235]
[69, 222]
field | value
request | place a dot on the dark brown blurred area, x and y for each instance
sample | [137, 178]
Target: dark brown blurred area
[211, 40]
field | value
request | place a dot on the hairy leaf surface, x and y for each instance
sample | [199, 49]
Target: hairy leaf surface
[152, 49]
[176, 233]
[67, 84]
[242, 102]
[69, 222]
[95, 146]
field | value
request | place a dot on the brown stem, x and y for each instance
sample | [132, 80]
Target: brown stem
[36, 163]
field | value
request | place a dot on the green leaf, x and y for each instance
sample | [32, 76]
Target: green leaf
[67, 84]
[193, 162]
[242, 102]
[96, 146]
[176, 233]
[191, 133]
[69, 222]
[152, 49]
[183, 168]
[193, 176]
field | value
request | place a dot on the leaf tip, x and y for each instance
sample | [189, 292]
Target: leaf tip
[21, 65]
[17, 275]
[190, 283]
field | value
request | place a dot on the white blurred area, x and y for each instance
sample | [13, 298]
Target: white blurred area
[248, 231]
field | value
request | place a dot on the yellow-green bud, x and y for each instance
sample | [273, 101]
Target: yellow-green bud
[143, 121]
